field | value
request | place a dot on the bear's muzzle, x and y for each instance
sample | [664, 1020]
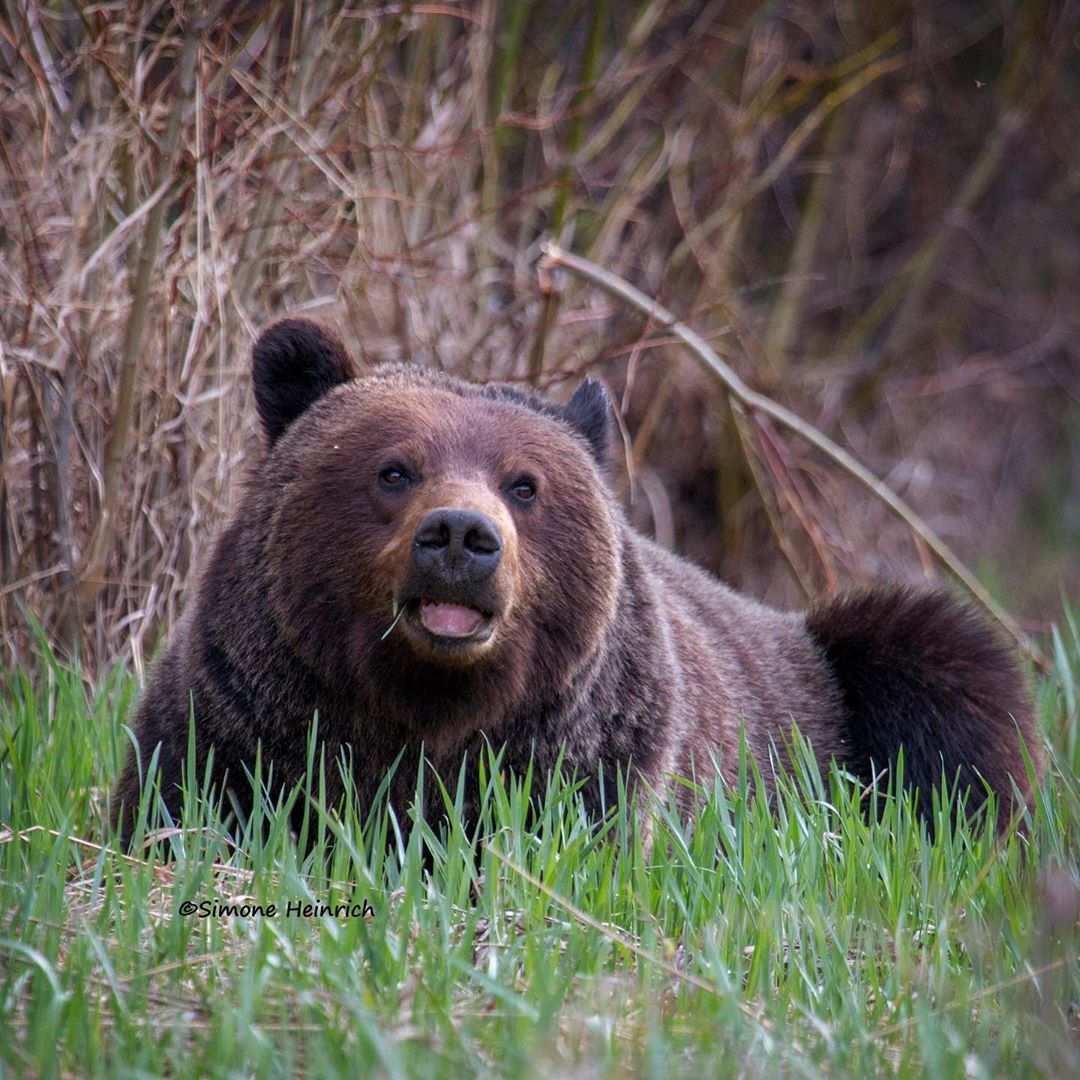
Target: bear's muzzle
[451, 599]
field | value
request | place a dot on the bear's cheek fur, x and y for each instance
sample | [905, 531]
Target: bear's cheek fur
[570, 557]
[323, 536]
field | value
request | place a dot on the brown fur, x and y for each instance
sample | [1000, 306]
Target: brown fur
[602, 644]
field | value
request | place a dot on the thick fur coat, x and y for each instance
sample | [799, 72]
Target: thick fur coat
[430, 563]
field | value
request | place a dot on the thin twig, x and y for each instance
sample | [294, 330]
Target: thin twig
[121, 428]
[789, 151]
[1006, 984]
[554, 256]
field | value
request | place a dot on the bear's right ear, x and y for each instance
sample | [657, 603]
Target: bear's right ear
[590, 412]
[294, 363]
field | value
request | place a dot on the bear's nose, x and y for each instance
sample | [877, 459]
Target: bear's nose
[458, 545]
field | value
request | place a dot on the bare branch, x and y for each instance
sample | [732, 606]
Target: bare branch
[554, 256]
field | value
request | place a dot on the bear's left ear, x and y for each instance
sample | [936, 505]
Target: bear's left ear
[294, 363]
[589, 411]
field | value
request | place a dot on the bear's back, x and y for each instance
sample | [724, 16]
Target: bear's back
[743, 667]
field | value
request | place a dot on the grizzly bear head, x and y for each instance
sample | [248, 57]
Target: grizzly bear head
[456, 544]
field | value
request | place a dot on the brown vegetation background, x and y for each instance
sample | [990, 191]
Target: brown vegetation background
[869, 209]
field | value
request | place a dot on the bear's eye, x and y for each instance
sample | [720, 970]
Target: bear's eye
[394, 476]
[523, 489]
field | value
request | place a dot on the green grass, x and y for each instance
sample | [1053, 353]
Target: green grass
[801, 941]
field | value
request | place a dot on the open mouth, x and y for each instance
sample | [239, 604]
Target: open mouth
[450, 620]
[444, 623]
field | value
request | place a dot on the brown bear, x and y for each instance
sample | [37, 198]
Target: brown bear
[432, 564]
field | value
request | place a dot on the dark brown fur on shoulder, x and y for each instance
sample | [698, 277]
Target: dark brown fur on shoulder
[428, 563]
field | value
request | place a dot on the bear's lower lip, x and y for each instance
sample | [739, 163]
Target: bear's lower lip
[451, 620]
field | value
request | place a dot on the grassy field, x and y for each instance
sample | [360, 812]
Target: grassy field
[797, 942]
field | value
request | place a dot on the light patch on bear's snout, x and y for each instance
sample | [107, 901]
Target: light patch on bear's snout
[454, 495]
[475, 494]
